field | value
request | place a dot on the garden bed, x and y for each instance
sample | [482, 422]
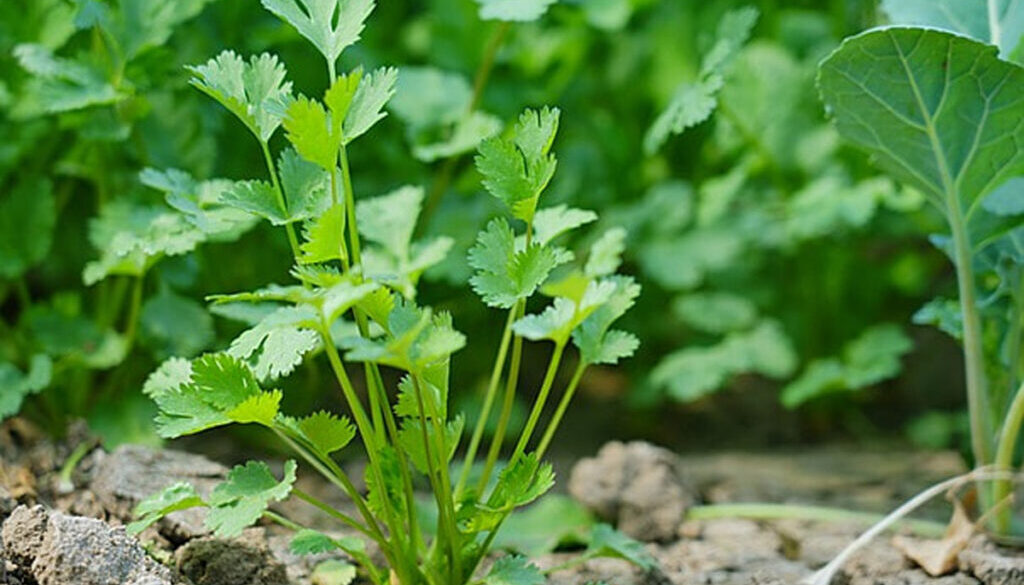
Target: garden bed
[74, 536]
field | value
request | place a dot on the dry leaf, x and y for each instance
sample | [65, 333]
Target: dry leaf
[939, 557]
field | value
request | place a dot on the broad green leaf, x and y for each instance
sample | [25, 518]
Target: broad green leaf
[17, 385]
[504, 275]
[323, 431]
[254, 91]
[173, 325]
[242, 499]
[325, 237]
[516, 169]
[514, 570]
[971, 18]
[715, 312]
[605, 541]
[331, 25]
[373, 93]
[939, 111]
[28, 215]
[175, 497]
[63, 85]
[513, 10]
[694, 101]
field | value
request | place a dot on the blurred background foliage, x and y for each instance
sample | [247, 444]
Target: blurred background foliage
[781, 272]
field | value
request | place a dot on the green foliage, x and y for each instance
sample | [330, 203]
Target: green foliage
[27, 219]
[870, 358]
[331, 25]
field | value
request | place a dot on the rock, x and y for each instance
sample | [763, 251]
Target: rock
[245, 560]
[638, 486]
[904, 577]
[992, 565]
[23, 532]
[132, 473]
[60, 549]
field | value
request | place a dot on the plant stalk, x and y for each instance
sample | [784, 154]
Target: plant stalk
[563, 404]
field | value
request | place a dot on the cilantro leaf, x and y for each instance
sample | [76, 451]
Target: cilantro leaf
[325, 237]
[410, 437]
[606, 253]
[374, 91]
[504, 275]
[281, 339]
[17, 385]
[311, 542]
[519, 483]
[514, 570]
[605, 541]
[173, 325]
[63, 85]
[513, 10]
[171, 374]
[324, 432]
[175, 497]
[200, 203]
[516, 169]
[331, 25]
[242, 499]
[253, 91]
[303, 184]
[694, 101]
[28, 215]
[871, 357]
[316, 132]
[559, 319]
[552, 222]
[389, 222]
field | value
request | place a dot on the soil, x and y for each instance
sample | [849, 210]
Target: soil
[73, 535]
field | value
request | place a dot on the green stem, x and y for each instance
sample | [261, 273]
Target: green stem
[361, 558]
[330, 511]
[506, 407]
[538, 405]
[758, 511]
[64, 483]
[292, 240]
[563, 404]
[1005, 450]
[133, 311]
[350, 207]
[438, 472]
[489, 396]
[341, 481]
[994, 27]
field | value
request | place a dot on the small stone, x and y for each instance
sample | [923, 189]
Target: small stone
[245, 560]
[638, 486]
[60, 549]
[23, 533]
[991, 564]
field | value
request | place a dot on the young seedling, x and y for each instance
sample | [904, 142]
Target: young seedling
[944, 114]
[357, 271]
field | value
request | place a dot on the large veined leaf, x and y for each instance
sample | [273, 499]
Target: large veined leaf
[939, 111]
[1000, 22]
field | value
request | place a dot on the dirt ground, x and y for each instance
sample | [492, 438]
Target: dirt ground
[54, 533]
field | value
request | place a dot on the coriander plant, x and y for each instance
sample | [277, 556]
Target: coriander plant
[942, 110]
[357, 267]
